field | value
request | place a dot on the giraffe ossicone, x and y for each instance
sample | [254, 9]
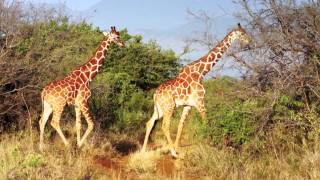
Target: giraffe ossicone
[187, 90]
[74, 90]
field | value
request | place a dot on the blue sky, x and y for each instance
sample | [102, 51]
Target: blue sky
[165, 21]
[145, 13]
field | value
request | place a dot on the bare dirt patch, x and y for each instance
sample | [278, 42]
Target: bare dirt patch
[166, 166]
[107, 162]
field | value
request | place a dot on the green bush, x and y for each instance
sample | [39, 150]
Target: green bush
[231, 125]
[230, 120]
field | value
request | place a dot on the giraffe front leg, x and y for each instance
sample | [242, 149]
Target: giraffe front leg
[184, 115]
[88, 117]
[166, 131]
[149, 125]
[201, 108]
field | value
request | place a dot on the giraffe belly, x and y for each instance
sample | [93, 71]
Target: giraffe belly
[60, 95]
[180, 102]
[184, 102]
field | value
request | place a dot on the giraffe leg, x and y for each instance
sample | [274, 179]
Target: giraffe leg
[55, 123]
[166, 130]
[201, 108]
[47, 110]
[149, 125]
[86, 113]
[78, 123]
[184, 115]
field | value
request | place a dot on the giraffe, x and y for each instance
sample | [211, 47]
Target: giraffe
[187, 90]
[74, 90]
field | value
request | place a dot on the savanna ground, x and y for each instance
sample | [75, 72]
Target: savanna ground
[116, 156]
[262, 125]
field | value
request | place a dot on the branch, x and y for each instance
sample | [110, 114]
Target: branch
[17, 89]
[313, 90]
[237, 59]
[5, 112]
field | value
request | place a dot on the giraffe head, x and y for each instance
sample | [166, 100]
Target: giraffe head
[242, 35]
[113, 36]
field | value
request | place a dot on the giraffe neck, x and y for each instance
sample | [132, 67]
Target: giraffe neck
[205, 64]
[89, 70]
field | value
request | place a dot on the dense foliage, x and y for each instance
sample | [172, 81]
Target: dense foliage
[123, 91]
[50, 50]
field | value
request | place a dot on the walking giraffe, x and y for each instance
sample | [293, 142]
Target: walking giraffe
[186, 90]
[74, 89]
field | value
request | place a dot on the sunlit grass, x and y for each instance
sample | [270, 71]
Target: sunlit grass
[20, 159]
[143, 162]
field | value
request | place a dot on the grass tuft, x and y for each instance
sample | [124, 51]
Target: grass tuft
[143, 162]
[33, 160]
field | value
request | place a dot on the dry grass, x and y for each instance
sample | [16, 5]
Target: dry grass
[208, 162]
[211, 163]
[20, 159]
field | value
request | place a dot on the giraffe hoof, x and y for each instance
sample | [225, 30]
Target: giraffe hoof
[174, 154]
[67, 145]
[143, 150]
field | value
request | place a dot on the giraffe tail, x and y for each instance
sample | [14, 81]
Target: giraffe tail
[156, 108]
[42, 104]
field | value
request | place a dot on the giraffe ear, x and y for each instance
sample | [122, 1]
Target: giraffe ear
[105, 33]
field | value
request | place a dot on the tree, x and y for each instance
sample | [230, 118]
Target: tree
[285, 53]
[283, 62]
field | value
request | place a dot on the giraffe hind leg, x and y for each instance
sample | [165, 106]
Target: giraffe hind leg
[78, 124]
[55, 123]
[47, 110]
